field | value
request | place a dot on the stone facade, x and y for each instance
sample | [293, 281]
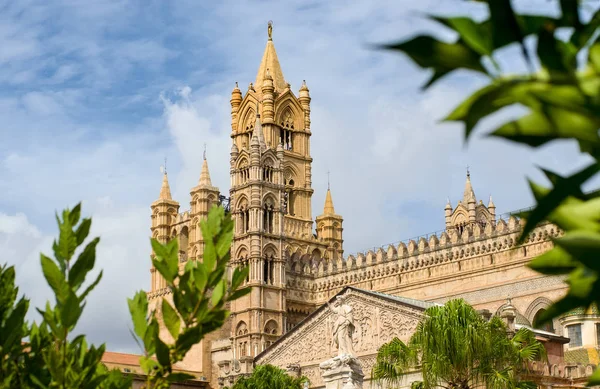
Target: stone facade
[297, 263]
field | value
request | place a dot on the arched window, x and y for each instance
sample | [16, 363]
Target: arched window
[243, 216]
[549, 327]
[268, 173]
[183, 244]
[268, 269]
[287, 126]
[268, 215]
[241, 329]
[244, 172]
[271, 327]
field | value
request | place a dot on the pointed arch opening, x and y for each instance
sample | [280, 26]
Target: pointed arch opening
[184, 237]
[286, 133]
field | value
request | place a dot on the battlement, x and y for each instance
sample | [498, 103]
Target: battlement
[425, 257]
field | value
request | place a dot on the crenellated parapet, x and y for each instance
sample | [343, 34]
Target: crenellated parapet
[417, 260]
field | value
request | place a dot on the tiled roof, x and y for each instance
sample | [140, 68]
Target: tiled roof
[121, 358]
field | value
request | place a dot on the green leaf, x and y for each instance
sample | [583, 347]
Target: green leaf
[492, 98]
[550, 123]
[13, 325]
[218, 292]
[574, 214]
[428, 52]
[563, 188]
[555, 261]
[148, 365]
[475, 35]
[179, 377]
[187, 339]
[582, 245]
[209, 257]
[83, 230]
[584, 33]
[594, 378]
[200, 276]
[162, 352]
[91, 287]
[238, 277]
[239, 293]
[138, 308]
[84, 263]
[570, 13]
[71, 311]
[53, 275]
[159, 249]
[171, 319]
[150, 336]
[73, 215]
[594, 56]
[553, 54]
[505, 27]
[166, 267]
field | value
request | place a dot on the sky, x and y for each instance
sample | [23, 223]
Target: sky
[94, 95]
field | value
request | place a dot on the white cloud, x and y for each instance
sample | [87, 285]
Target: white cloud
[98, 94]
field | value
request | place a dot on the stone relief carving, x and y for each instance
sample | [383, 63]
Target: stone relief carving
[376, 321]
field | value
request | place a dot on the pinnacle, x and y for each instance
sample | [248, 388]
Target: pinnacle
[469, 194]
[165, 190]
[328, 208]
[204, 175]
[270, 67]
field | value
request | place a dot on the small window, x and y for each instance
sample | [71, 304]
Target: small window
[574, 335]
[598, 334]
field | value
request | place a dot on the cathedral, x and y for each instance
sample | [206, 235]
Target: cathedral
[297, 262]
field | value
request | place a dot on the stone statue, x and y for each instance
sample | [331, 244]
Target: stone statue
[343, 327]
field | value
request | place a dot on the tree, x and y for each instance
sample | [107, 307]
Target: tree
[562, 98]
[269, 377]
[456, 348]
[46, 355]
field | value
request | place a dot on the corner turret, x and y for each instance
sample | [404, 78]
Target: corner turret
[329, 228]
[164, 211]
[203, 197]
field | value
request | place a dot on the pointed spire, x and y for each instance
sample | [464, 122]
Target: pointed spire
[204, 173]
[491, 203]
[328, 208]
[271, 62]
[448, 204]
[469, 194]
[165, 190]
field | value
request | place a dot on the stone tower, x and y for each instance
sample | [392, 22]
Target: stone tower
[329, 228]
[270, 199]
[164, 212]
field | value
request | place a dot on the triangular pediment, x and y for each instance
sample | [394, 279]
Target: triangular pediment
[378, 318]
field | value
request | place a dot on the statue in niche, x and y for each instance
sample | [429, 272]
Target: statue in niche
[343, 327]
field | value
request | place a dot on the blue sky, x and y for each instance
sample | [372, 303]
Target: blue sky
[94, 95]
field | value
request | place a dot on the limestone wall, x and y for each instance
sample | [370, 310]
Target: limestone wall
[485, 267]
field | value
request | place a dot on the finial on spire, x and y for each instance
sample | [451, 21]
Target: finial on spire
[328, 180]
[236, 84]
[270, 29]
[204, 154]
[468, 173]
[165, 166]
